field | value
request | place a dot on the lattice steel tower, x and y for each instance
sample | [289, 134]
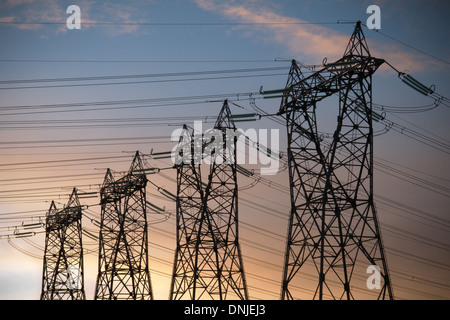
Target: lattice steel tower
[334, 234]
[189, 208]
[63, 277]
[123, 269]
[208, 261]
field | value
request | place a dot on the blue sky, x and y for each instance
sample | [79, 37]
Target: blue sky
[203, 35]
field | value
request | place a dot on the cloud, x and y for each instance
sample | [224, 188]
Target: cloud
[300, 40]
[50, 11]
[123, 13]
[403, 61]
[31, 11]
[306, 42]
[7, 19]
[13, 3]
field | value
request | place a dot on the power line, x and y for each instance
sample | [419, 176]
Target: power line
[411, 169]
[130, 101]
[51, 141]
[138, 76]
[127, 104]
[33, 144]
[59, 161]
[408, 45]
[139, 61]
[406, 109]
[181, 24]
[101, 123]
[142, 82]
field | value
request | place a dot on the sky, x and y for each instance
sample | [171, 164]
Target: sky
[75, 102]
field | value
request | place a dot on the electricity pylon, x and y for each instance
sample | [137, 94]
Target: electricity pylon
[63, 277]
[208, 261]
[333, 227]
[189, 208]
[221, 212]
[123, 269]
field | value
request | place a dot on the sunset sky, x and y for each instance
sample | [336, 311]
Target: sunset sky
[76, 102]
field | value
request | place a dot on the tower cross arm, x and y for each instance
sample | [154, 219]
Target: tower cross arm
[332, 78]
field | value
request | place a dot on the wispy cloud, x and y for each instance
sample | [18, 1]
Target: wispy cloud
[40, 15]
[124, 12]
[306, 42]
[30, 12]
[13, 3]
[7, 19]
[312, 42]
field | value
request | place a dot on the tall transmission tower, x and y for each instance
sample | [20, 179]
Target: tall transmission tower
[221, 212]
[63, 277]
[208, 261]
[189, 208]
[123, 269]
[333, 227]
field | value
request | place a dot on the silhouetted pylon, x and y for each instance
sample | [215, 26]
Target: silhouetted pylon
[189, 208]
[208, 260]
[123, 269]
[334, 233]
[63, 275]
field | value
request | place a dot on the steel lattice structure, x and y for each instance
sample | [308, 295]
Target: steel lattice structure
[208, 261]
[123, 269]
[333, 226]
[221, 213]
[189, 208]
[63, 277]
